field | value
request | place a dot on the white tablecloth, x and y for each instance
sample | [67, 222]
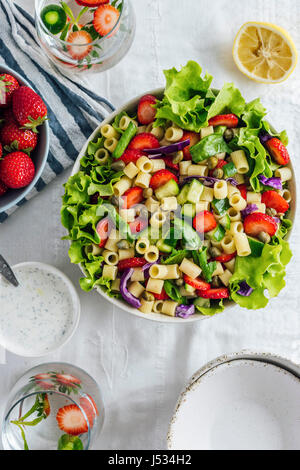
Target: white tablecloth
[141, 366]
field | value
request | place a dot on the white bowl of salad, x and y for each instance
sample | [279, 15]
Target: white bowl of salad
[180, 204]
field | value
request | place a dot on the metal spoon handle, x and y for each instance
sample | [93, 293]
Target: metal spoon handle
[7, 272]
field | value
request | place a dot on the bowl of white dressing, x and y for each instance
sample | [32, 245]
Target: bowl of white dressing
[41, 314]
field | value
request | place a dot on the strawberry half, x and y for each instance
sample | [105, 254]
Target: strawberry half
[28, 107]
[8, 84]
[162, 177]
[273, 200]
[66, 379]
[16, 170]
[91, 3]
[132, 196]
[204, 222]
[214, 294]
[131, 156]
[131, 263]
[259, 222]
[103, 229]
[196, 283]
[105, 19]
[243, 190]
[18, 139]
[228, 120]
[142, 141]
[169, 163]
[225, 258]
[3, 188]
[146, 112]
[90, 408]
[71, 420]
[278, 151]
[80, 44]
[194, 139]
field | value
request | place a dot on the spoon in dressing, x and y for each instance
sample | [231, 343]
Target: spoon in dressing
[7, 272]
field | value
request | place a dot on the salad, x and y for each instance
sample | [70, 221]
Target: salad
[182, 205]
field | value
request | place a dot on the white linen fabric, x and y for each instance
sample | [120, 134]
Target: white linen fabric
[142, 366]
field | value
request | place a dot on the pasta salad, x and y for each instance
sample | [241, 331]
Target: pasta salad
[181, 205]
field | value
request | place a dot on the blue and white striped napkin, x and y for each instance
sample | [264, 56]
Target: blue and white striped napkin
[73, 110]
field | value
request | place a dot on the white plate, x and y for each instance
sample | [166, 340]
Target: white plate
[131, 106]
[243, 404]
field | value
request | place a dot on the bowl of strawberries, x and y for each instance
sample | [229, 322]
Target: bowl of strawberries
[24, 137]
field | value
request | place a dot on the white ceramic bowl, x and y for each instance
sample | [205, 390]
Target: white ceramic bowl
[244, 401]
[131, 106]
[75, 308]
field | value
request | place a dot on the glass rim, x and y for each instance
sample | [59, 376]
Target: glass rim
[65, 43]
[6, 422]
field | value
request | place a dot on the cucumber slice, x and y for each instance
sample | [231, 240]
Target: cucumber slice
[169, 189]
[220, 206]
[189, 288]
[219, 233]
[189, 210]
[182, 196]
[200, 302]
[163, 247]
[256, 247]
[225, 222]
[195, 191]
[54, 18]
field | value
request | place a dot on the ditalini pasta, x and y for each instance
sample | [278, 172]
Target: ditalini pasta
[176, 209]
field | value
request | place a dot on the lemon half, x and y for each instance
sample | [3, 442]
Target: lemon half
[264, 52]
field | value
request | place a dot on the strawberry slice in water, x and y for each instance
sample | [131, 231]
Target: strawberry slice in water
[80, 44]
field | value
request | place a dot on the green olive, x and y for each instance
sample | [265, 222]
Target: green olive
[215, 281]
[178, 157]
[119, 165]
[148, 192]
[123, 245]
[264, 237]
[218, 173]
[148, 296]
[212, 163]
[228, 135]
[214, 251]
[179, 282]
[270, 211]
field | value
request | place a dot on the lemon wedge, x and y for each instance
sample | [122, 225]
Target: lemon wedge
[264, 52]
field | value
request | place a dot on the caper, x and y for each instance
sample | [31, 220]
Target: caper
[119, 165]
[178, 157]
[228, 135]
[123, 245]
[212, 163]
[117, 201]
[280, 214]
[218, 173]
[270, 211]
[264, 237]
[214, 251]
[141, 211]
[148, 296]
[179, 282]
[148, 192]
[215, 281]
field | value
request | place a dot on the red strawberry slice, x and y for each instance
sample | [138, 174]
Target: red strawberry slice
[228, 120]
[44, 385]
[28, 107]
[138, 225]
[131, 263]
[146, 112]
[18, 139]
[204, 222]
[196, 283]
[80, 44]
[90, 408]
[214, 294]
[3, 188]
[194, 139]
[162, 296]
[8, 84]
[46, 405]
[243, 190]
[131, 156]
[220, 164]
[225, 258]
[162, 177]
[278, 151]
[105, 19]
[71, 420]
[132, 196]
[67, 379]
[91, 3]
[259, 222]
[104, 227]
[273, 200]
[142, 141]
[44, 376]
[169, 163]
[16, 170]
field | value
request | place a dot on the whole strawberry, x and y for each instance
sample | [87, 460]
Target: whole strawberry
[3, 188]
[16, 170]
[17, 139]
[8, 84]
[28, 107]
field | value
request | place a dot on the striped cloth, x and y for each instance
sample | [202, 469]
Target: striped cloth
[80, 110]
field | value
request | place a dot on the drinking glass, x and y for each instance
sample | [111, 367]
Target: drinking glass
[44, 398]
[105, 52]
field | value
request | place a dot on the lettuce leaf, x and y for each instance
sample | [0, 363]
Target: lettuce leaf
[215, 307]
[229, 100]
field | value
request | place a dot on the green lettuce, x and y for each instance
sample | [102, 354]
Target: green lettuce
[215, 307]
[228, 100]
